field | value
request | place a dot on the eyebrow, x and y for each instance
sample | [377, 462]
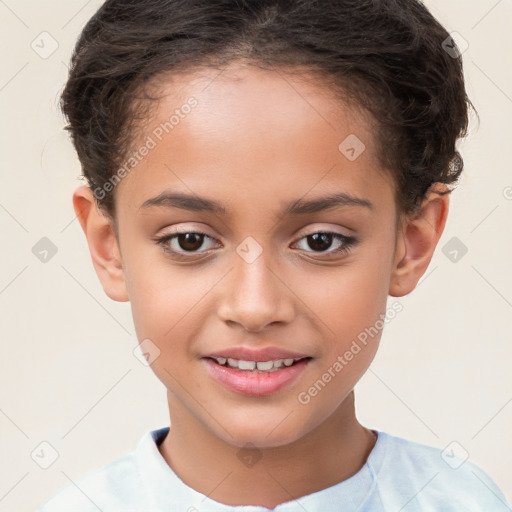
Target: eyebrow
[196, 203]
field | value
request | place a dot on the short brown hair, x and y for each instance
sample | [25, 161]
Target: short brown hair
[387, 55]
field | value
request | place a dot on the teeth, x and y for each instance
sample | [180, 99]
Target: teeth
[268, 366]
[264, 365]
[246, 365]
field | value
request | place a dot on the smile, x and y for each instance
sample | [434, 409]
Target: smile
[255, 378]
[263, 366]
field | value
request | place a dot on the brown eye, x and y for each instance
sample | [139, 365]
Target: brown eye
[181, 244]
[190, 241]
[321, 243]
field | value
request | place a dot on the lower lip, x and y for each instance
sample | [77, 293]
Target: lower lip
[254, 383]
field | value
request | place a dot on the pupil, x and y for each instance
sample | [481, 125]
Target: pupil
[321, 241]
[190, 242]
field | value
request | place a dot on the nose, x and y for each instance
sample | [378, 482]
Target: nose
[255, 296]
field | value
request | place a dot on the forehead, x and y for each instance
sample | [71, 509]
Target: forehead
[263, 134]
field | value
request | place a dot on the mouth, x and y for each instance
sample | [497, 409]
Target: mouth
[269, 366]
[255, 378]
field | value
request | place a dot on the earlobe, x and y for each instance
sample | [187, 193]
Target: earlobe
[417, 240]
[103, 245]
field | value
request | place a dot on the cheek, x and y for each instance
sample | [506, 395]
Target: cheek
[160, 302]
[350, 306]
[348, 299]
[168, 305]
[158, 293]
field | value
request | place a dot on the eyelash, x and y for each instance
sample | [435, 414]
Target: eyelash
[348, 243]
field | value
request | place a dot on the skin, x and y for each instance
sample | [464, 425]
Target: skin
[256, 141]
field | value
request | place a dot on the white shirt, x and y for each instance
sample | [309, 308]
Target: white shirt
[398, 476]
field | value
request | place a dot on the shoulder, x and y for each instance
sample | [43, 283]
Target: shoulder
[114, 486]
[415, 476]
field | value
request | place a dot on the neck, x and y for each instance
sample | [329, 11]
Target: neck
[330, 453]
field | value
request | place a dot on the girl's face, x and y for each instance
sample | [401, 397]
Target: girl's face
[269, 262]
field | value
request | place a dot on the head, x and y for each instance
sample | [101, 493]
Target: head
[316, 145]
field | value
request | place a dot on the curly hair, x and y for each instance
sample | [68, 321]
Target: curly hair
[387, 56]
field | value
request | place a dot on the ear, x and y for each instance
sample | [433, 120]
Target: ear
[103, 245]
[417, 239]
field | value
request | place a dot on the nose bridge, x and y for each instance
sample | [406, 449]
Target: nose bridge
[255, 295]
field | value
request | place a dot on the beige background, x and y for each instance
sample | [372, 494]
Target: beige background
[68, 375]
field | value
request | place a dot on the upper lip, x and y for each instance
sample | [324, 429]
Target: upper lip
[251, 354]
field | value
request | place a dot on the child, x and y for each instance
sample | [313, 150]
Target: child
[261, 176]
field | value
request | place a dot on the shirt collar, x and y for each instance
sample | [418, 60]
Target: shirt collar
[166, 491]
